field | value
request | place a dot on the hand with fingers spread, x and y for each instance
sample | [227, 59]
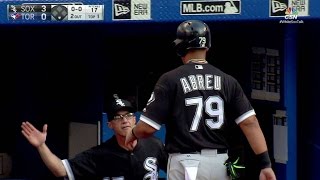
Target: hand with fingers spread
[38, 139]
[33, 135]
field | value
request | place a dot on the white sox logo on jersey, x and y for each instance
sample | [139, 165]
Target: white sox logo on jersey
[151, 166]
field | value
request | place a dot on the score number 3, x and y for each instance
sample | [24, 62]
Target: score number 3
[207, 107]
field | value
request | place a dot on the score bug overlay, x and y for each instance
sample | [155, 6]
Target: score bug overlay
[55, 12]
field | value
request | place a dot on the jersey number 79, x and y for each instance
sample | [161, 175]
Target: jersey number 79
[206, 107]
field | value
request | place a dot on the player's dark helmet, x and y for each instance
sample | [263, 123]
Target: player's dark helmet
[192, 34]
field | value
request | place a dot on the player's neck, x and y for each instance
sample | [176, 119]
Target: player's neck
[197, 61]
[195, 56]
[121, 142]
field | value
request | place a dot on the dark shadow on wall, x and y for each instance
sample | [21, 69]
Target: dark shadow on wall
[50, 76]
[308, 126]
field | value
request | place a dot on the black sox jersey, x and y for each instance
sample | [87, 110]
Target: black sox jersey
[196, 102]
[109, 161]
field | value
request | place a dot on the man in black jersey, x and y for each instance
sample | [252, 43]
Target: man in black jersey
[111, 160]
[197, 102]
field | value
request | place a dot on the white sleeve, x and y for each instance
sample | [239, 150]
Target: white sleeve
[66, 165]
[245, 116]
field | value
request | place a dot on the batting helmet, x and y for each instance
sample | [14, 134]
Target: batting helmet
[192, 34]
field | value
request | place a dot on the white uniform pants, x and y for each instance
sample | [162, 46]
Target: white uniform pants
[207, 165]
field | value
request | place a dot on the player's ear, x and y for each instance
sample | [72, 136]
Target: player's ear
[134, 120]
[110, 125]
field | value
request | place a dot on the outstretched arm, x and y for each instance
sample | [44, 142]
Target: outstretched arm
[38, 139]
[141, 130]
[255, 137]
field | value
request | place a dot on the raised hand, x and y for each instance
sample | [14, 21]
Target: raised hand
[33, 135]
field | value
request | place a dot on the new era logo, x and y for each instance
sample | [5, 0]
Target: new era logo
[131, 10]
[278, 6]
[120, 9]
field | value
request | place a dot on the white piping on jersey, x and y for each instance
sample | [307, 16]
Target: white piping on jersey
[66, 165]
[245, 116]
[150, 122]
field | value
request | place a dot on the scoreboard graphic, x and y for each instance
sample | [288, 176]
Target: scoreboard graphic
[55, 12]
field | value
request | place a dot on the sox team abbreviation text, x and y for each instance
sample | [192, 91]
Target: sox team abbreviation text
[55, 12]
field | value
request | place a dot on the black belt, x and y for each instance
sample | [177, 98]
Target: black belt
[219, 151]
[222, 151]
